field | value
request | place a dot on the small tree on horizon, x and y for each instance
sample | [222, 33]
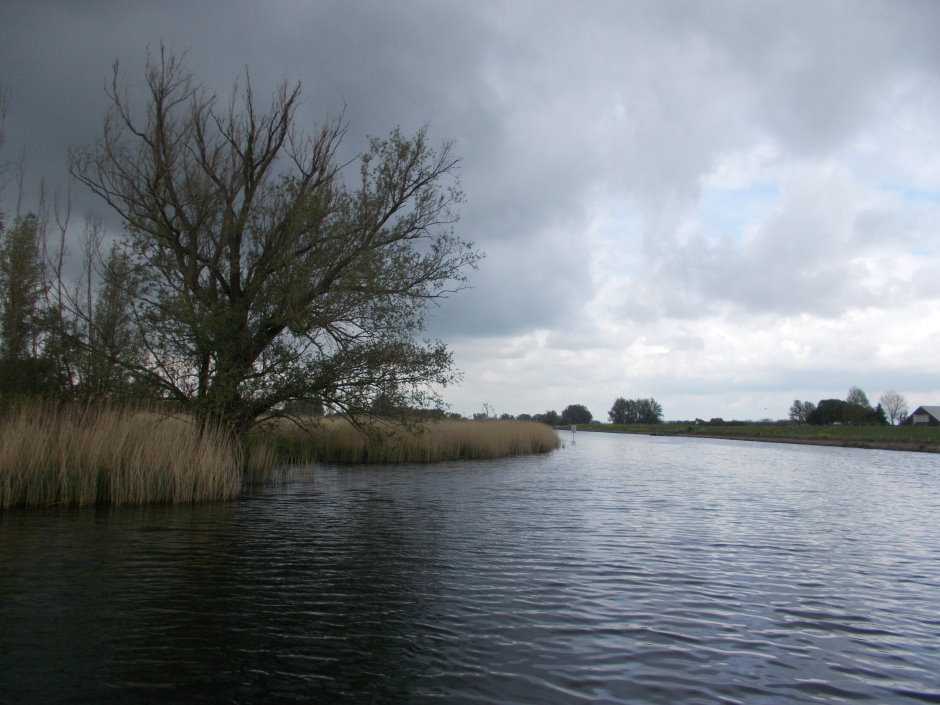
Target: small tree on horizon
[650, 410]
[620, 411]
[801, 410]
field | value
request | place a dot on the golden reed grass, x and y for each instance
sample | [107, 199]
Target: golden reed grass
[79, 455]
[338, 441]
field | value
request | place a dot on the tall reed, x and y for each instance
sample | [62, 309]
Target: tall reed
[338, 441]
[78, 455]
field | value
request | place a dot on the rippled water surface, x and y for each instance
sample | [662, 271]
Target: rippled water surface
[620, 569]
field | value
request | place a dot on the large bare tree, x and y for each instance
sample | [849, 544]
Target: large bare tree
[894, 405]
[261, 277]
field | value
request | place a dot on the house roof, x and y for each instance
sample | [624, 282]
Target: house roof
[932, 410]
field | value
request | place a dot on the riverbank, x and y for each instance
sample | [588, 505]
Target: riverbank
[923, 439]
[75, 455]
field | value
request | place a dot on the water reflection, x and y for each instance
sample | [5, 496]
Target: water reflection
[211, 601]
[616, 570]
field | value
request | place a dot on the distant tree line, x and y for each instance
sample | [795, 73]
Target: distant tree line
[624, 411]
[855, 409]
[571, 414]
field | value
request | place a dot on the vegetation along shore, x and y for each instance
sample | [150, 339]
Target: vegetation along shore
[73, 455]
[911, 438]
[852, 422]
[259, 276]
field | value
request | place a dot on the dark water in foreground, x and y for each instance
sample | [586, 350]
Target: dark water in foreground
[621, 569]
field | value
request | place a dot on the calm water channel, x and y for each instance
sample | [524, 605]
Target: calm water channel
[620, 569]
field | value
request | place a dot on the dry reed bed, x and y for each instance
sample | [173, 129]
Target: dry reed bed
[74, 455]
[81, 455]
[337, 441]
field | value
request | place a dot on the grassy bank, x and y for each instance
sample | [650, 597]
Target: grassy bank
[80, 455]
[336, 441]
[914, 438]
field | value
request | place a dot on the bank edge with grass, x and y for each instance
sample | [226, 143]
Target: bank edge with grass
[924, 439]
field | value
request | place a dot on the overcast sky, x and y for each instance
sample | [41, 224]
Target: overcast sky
[725, 205]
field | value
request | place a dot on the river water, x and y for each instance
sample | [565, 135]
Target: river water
[619, 569]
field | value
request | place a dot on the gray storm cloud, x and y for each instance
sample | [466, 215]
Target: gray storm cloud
[561, 111]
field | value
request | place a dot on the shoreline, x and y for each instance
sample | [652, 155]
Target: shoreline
[910, 446]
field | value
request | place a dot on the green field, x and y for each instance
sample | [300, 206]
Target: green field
[925, 438]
